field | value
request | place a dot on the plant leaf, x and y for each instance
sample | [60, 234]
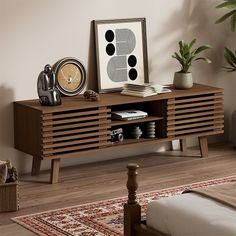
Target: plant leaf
[230, 55]
[204, 59]
[227, 4]
[228, 60]
[202, 48]
[192, 43]
[181, 44]
[177, 56]
[224, 17]
[233, 22]
[229, 69]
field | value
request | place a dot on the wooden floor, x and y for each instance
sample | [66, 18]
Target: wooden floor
[104, 180]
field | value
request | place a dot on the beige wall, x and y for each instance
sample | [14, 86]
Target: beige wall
[34, 33]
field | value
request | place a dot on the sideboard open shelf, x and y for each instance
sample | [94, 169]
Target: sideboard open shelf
[78, 126]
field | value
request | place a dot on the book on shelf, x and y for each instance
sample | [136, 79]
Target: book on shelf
[144, 90]
[131, 114]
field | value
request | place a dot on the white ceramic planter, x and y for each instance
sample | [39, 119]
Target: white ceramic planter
[183, 80]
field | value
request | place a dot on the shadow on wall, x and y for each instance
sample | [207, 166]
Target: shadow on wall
[195, 19]
[6, 127]
[92, 68]
[6, 118]
[227, 81]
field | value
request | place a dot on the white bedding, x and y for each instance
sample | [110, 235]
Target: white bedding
[191, 215]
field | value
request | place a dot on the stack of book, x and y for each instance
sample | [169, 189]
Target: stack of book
[144, 90]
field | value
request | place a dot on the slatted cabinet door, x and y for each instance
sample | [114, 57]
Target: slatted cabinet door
[201, 114]
[66, 133]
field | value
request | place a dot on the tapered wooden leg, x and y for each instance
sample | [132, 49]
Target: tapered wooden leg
[55, 165]
[183, 145]
[203, 146]
[36, 165]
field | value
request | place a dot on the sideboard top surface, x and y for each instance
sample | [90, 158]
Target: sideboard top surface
[111, 99]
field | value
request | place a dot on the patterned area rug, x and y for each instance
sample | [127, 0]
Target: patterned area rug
[98, 218]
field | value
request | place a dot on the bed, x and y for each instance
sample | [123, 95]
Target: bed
[189, 214]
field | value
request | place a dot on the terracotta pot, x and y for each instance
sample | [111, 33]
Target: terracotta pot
[183, 80]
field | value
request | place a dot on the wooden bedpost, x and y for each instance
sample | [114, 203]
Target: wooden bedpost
[132, 210]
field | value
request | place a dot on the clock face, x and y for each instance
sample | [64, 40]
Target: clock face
[70, 76]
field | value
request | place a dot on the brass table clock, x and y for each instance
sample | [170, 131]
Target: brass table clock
[70, 76]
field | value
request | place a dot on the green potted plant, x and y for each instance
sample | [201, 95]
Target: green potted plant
[229, 55]
[231, 6]
[186, 56]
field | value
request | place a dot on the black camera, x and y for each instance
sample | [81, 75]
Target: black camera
[117, 135]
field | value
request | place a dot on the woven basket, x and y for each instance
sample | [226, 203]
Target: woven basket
[9, 197]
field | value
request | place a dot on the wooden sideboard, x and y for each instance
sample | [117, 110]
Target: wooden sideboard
[79, 126]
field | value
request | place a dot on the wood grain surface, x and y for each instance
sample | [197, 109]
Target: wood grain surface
[104, 180]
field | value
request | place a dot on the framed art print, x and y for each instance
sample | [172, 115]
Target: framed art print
[121, 53]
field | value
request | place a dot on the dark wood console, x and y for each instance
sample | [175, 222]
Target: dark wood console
[78, 126]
